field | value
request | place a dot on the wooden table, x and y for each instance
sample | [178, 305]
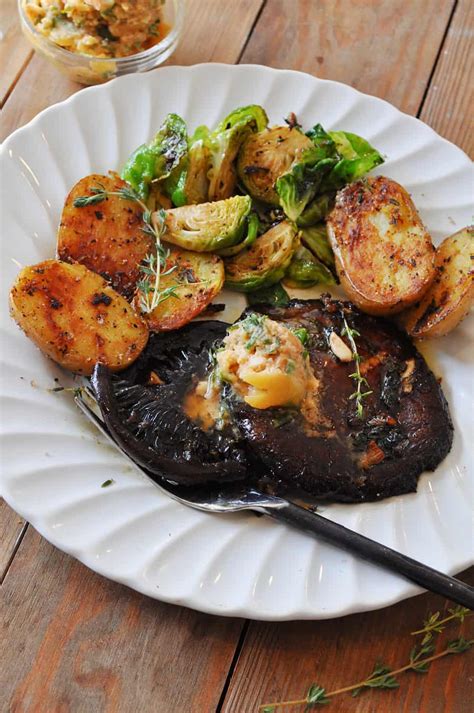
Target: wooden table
[76, 642]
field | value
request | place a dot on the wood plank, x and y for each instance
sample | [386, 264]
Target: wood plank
[386, 48]
[11, 528]
[449, 102]
[215, 31]
[280, 662]
[212, 33]
[78, 642]
[15, 51]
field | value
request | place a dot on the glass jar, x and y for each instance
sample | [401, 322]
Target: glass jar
[88, 69]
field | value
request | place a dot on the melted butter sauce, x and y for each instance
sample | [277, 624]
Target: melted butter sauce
[203, 407]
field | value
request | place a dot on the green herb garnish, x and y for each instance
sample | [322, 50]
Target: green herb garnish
[360, 380]
[382, 676]
[302, 334]
[108, 482]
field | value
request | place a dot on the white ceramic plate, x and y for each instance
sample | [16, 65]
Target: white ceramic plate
[54, 463]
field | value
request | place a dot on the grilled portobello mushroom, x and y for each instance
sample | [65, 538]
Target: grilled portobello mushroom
[327, 450]
[144, 409]
[405, 428]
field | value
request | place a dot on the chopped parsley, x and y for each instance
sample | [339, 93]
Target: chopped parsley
[290, 366]
[302, 334]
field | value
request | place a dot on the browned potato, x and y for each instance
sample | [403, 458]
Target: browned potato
[75, 317]
[197, 277]
[451, 294]
[106, 237]
[384, 256]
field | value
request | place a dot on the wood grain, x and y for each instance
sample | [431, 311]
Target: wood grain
[15, 51]
[450, 99]
[280, 662]
[11, 528]
[79, 643]
[386, 48]
[209, 35]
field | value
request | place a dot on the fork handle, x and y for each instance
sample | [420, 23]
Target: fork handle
[372, 551]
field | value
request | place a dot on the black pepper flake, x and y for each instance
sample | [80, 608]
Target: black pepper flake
[99, 215]
[101, 298]
[55, 304]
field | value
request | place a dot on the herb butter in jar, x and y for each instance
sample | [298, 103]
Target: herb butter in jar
[94, 40]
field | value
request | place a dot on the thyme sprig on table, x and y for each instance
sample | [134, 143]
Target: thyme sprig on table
[382, 676]
[152, 267]
[361, 382]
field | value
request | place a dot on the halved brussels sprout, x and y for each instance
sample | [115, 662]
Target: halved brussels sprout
[196, 187]
[207, 227]
[252, 232]
[195, 280]
[159, 158]
[224, 144]
[265, 262]
[265, 156]
[305, 270]
[316, 240]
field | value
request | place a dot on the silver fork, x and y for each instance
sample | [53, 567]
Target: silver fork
[235, 497]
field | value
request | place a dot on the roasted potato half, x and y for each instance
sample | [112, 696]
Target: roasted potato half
[196, 278]
[75, 317]
[451, 294]
[106, 237]
[384, 255]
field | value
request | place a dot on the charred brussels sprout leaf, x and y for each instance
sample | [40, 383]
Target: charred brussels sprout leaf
[358, 157]
[264, 156]
[336, 158]
[265, 262]
[305, 270]
[302, 182]
[316, 240]
[190, 182]
[276, 296]
[224, 144]
[160, 159]
[208, 227]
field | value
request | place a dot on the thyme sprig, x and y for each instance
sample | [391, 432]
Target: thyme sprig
[436, 625]
[421, 656]
[152, 267]
[361, 382]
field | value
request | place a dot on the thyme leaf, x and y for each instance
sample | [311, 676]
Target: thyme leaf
[361, 382]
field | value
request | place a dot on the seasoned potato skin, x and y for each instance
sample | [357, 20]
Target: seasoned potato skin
[451, 294]
[264, 156]
[198, 279]
[384, 255]
[76, 318]
[106, 237]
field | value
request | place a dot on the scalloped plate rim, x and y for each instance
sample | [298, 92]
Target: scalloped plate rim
[247, 609]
